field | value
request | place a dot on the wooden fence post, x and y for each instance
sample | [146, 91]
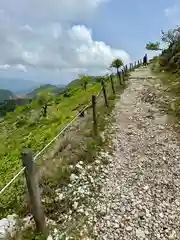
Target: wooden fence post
[119, 77]
[95, 127]
[126, 69]
[104, 93]
[112, 85]
[34, 191]
[132, 67]
[122, 76]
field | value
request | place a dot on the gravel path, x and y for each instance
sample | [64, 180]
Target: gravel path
[140, 197]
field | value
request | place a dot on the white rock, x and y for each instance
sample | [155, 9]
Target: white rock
[177, 202]
[102, 137]
[146, 187]
[140, 234]
[50, 237]
[8, 226]
[73, 177]
[129, 228]
[75, 205]
[54, 236]
[27, 222]
[80, 210]
[60, 195]
[71, 167]
[172, 236]
[79, 166]
[98, 162]
[116, 225]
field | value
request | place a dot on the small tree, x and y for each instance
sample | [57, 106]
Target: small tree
[117, 63]
[98, 79]
[153, 46]
[172, 36]
[168, 58]
[43, 100]
[84, 79]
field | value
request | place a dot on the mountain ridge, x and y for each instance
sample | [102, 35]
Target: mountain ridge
[18, 85]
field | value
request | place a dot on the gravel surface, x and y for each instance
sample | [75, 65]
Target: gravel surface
[140, 197]
[131, 190]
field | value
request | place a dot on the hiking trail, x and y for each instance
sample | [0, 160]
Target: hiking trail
[140, 197]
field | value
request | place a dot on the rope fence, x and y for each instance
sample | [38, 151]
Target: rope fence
[28, 160]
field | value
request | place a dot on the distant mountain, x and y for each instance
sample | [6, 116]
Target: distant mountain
[6, 95]
[18, 85]
[46, 88]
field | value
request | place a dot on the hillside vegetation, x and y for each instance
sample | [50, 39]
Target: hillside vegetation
[33, 126]
[9, 100]
[46, 88]
[167, 65]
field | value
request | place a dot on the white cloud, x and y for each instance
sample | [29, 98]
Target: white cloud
[50, 10]
[36, 34]
[173, 13]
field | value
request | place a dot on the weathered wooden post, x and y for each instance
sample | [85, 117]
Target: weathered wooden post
[104, 93]
[132, 67]
[124, 70]
[34, 191]
[112, 84]
[119, 77]
[95, 127]
[127, 69]
[122, 76]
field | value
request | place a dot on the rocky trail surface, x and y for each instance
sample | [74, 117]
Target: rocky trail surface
[140, 195]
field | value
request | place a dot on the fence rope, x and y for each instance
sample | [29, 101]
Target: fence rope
[38, 154]
[97, 96]
[54, 139]
[12, 180]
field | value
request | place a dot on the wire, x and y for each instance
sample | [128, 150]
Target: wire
[22, 170]
[60, 133]
[12, 180]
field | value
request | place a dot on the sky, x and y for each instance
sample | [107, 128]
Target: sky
[52, 41]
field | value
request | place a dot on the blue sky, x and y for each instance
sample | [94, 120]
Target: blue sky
[55, 40]
[130, 25]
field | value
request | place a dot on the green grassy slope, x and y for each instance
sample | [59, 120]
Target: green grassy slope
[25, 128]
[47, 88]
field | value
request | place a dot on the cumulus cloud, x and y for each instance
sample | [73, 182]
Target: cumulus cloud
[36, 34]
